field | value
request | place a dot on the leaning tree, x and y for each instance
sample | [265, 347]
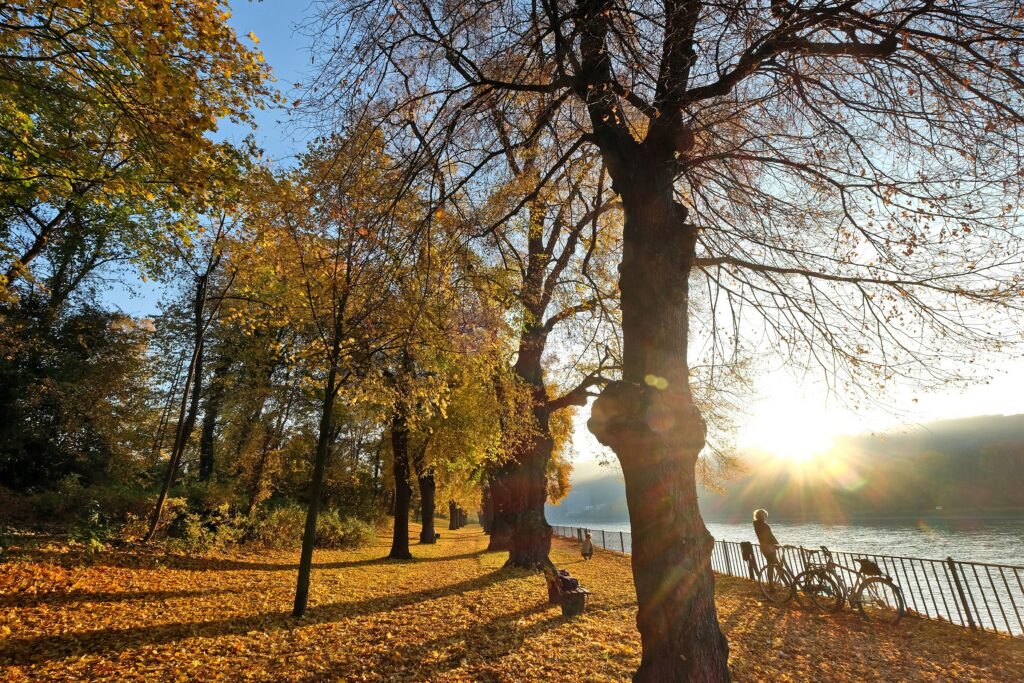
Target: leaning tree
[840, 179]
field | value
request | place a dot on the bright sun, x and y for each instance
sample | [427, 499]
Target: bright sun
[791, 429]
[799, 444]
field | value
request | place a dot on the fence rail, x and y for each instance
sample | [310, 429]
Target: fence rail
[978, 595]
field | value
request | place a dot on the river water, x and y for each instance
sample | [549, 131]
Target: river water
[996, 541]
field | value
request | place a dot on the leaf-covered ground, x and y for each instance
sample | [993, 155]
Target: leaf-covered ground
[452, 614]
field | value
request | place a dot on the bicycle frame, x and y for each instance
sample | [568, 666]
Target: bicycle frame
[830, 566]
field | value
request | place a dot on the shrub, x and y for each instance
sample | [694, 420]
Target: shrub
[200, 532]
[282, 526]
[335, 531]
[91, 528]
[279, 526]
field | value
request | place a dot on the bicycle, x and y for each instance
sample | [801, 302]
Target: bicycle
[776, 581]
[873, 593]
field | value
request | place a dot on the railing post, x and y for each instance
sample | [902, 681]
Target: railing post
[960, 592]
[725, 551]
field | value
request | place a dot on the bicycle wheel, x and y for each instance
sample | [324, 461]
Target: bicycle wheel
[820, 588]
[879, 599]
[776, 583]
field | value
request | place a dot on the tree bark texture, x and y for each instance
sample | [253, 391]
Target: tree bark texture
[502, 515]
[651, 423]
[403, 490]
[211, 413]
[323, 447]
[428, 489]
[486, 508]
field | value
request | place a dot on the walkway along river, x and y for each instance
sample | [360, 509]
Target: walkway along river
[979, 595]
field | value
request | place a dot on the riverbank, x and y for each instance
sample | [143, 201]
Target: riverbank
[452, 614]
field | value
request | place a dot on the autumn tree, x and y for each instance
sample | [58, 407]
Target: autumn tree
[107, 109]
[327, 231]
[561, 290]
[839, 179]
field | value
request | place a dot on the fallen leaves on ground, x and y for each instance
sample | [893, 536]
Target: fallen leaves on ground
[451, 614]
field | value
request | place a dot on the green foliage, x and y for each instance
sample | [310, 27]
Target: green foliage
[73, 394]
[92, 527]
[280, 526]
[194, 532]
[336, 531]
[105, 113]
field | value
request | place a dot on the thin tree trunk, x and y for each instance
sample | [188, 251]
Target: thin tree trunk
[403, 491]
[453, 516]
[650, 421]
[316, 485]
[188, 409]
[211, 413]
[376, 468]
[165, 414]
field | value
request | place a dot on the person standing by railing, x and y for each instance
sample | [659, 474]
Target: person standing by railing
[588, 547]
[769, 544]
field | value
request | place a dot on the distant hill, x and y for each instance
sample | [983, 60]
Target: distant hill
[970, 465]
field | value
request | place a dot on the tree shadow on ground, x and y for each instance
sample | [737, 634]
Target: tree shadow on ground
[132, 560]
[33, 650]
[476, 642]
[28, 600]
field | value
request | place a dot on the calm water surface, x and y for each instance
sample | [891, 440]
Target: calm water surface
[998, 541]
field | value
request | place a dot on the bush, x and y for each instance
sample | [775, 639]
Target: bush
[278, 527]
[335, 531]
[282, 526]
[200, 532]
[91, 528]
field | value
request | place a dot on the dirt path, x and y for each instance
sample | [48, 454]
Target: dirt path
[452, 614]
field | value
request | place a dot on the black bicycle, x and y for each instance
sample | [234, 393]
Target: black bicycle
[873, 593]
[778, 583]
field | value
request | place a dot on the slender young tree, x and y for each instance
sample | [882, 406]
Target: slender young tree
[840, 179]
[329, 235]
[205, 310]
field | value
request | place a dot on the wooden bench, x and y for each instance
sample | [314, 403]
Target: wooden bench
[573, 601]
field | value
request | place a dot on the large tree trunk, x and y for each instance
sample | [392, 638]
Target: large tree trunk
[503, 513]
[650, 421]
[486, 508]
[403, 491]
[428, 489]
[323, 446]
[529, 537]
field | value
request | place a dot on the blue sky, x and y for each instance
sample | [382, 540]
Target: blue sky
[276, 24]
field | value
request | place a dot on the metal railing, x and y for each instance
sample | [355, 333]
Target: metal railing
[978, 595]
